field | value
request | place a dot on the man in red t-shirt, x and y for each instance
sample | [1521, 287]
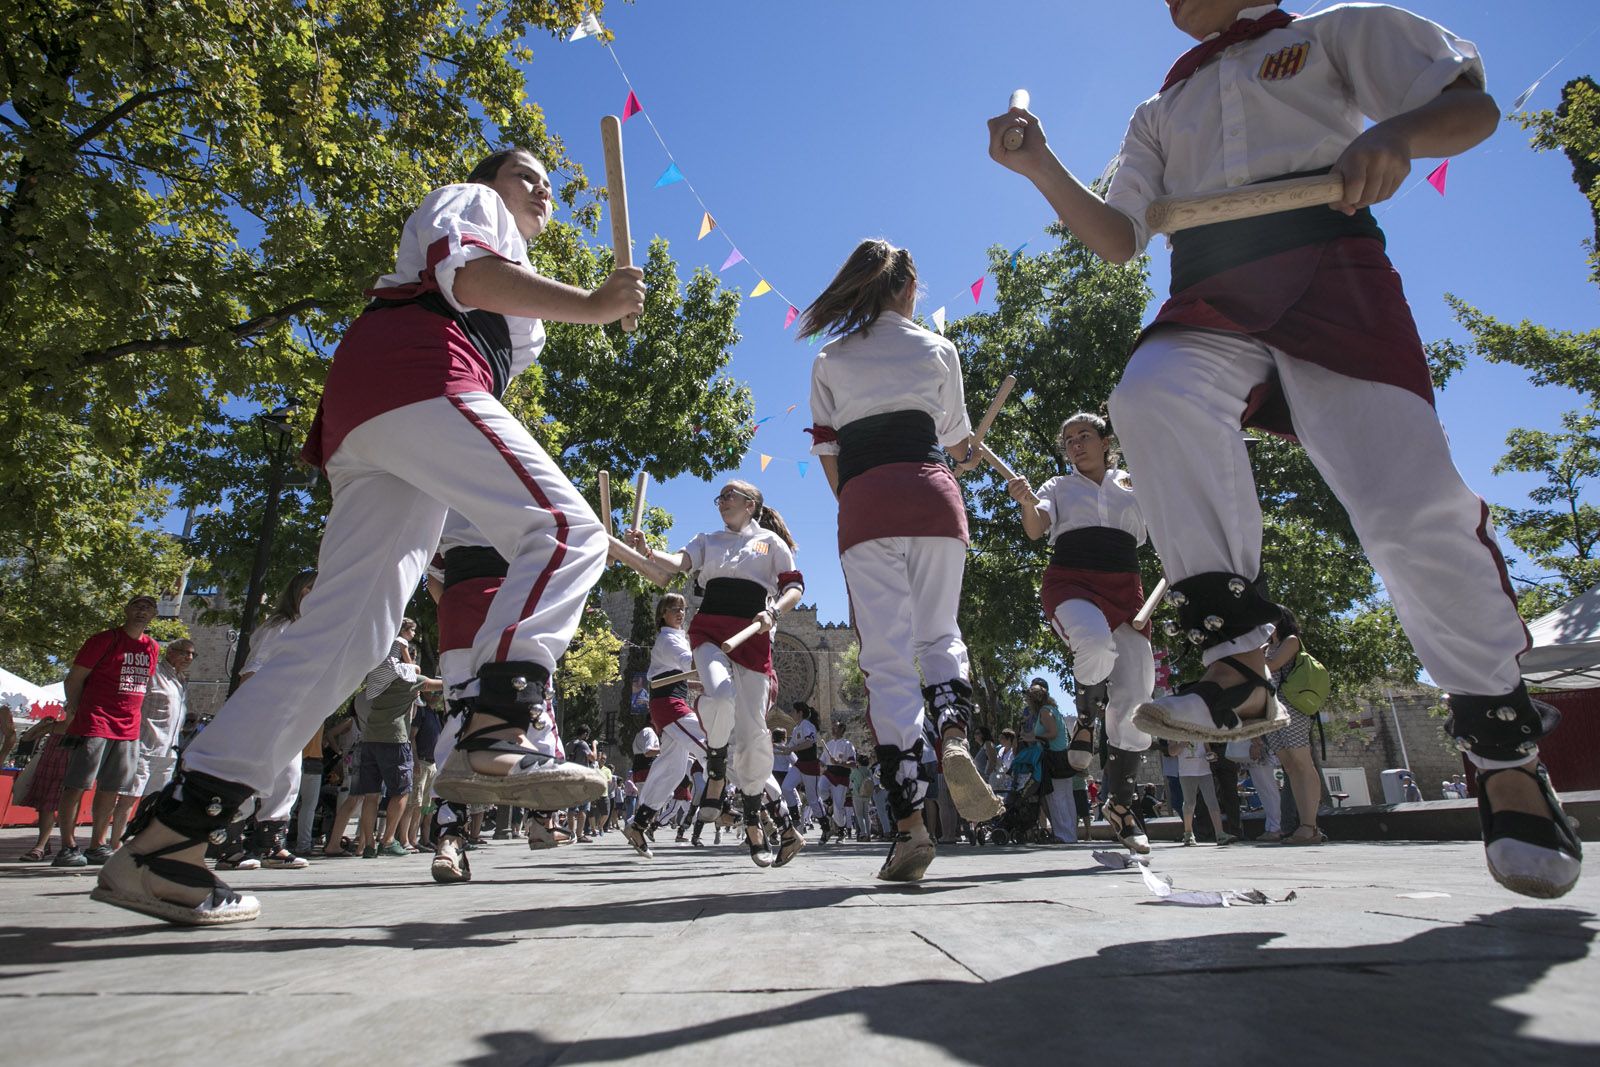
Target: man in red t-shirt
[105, 693]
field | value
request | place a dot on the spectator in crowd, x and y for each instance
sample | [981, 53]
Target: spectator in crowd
[105, 691]
[1000, 772]
[861, 776]
[39, 785]
[1409, 790]
[1292, 744]
[1053, 730]
[166, 706]
[1149, 803]
[1194, 771]
[8, 733]
[1459, 783]
[604, 816]
[1169, 773]
[425, 729]
[383, 708]
[1259, 766]
[1225, 779]
[581, 752]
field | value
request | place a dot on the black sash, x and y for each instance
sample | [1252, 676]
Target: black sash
[679, 689]
[472, 561]
[893, 437]
[487, 331]
[641, 762]
[1204, 251]
[737, 597]
[1096, 548]
[808, 754]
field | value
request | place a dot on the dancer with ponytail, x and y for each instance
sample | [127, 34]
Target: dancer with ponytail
[749, 574]
[885, 395]
[1091, 593]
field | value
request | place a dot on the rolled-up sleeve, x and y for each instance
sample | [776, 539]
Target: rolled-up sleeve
[1394, 61]
[954, 426]
[458, 224]
[1139, 176]
[824, 440]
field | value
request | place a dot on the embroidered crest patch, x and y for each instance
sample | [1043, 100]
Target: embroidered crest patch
[1285, 63]
[760, 547]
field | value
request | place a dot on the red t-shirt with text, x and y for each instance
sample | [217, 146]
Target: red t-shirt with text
[120, 668]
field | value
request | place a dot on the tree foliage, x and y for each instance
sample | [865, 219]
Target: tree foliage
[1561, 534]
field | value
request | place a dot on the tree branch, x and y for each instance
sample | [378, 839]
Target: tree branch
[122, 111]
[241, 331]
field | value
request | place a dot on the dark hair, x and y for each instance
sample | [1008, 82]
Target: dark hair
[1101, 427]
[766, 517]
[1288, 625]
[876, 273]
[488, 168]
[288, 606]
[985, 735]
[805, 711]
[779, 734]
[667, 603]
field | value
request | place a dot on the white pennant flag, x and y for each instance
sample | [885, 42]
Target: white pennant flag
[1517, 104]
[589, 27]
[938, 320]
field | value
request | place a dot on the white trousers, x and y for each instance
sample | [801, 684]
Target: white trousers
[1063, 809]
[813, 784]
[393, 479]
[904, 594]
[682, 742]
[733, 711]
[1266, 784]
[1381, 450]
[837, 793]
[278, 801]
[1121, 658]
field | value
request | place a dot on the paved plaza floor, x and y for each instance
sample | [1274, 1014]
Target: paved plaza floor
[1402, 953]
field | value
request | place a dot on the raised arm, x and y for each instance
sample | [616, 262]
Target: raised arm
[507, 288]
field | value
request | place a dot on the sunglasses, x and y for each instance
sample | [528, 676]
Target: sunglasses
[730, 494]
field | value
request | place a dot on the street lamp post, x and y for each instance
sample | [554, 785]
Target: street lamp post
[275, 434]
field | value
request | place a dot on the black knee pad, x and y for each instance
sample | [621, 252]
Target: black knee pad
[512, 691]
[717, 764]
[751, 805]
[949, 705]
[645, 817]
[1503, 728]
[1217, 607]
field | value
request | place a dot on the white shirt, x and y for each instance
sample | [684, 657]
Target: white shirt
[894, 366]
[264, 644]
[645, 740]
[838, 750]
[803, 735]
[453, 226]
[166, 703]
[1073, 501]
[670, 654]
[754, 554]
[1226, 126]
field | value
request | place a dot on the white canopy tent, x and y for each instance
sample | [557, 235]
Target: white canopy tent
[19, 692]
[1566, 645]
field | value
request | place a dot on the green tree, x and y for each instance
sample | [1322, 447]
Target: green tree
[1561, 534]
[190, 196]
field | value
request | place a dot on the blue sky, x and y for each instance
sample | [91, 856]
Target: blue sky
[808, 127]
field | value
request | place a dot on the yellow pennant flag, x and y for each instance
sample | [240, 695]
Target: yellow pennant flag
[760, 290]
[765, 459]
[707, 224]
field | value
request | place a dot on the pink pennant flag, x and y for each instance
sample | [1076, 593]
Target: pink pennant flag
[1436, 179]
[632, 107]
[765, 459]
[733, 257]
[977, 290]
[788, 320]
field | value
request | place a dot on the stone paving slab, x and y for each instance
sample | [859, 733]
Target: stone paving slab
[590, 955]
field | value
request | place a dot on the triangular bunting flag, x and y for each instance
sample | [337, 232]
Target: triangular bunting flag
[632, 107]
[733, 257]
[802, 464]
[977, 290]
[1017, 254]
[790, 408]
[671, 176]
[589, 27]
[761, 289]
[707, 224]
[788, 321]
[1521, 101]
[1436, 179]
[765, 459]
[938, 320]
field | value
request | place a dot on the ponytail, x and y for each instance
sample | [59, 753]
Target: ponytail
[765, 517]
[875, 275]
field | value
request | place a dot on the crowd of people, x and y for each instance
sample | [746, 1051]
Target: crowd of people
[1297, 325]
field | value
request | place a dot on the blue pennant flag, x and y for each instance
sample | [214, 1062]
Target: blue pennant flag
[671, 176]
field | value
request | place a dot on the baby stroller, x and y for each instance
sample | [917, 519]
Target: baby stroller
[1019, 822]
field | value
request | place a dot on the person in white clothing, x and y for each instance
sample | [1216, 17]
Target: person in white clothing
[410, 426]
[749, 575]
[1091, 593]
[1297, 323]
[838, 756]
[886, 402]
[805, 768]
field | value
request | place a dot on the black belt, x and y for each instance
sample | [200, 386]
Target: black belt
[737, 597]
[1205, 251]
[472, 561]
[488, 332]
[679, 689]
[893, 437]
[807, 754]
[641, 762]
[1096, 548]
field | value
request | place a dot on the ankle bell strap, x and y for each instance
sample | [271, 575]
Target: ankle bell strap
[1217, 607]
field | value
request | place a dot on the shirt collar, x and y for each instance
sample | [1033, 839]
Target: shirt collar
[751, 529]
[1248, 13]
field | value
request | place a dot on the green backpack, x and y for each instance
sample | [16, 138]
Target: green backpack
[1305, 687]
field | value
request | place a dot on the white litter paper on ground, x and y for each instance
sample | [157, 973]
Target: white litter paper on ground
[1161, 886]
[1119, 861]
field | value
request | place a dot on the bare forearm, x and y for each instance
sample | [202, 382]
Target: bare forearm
[1461, 117]
[510, 289]
[1106, 231]
[1034, 524]
[830, 470]
[791, 596]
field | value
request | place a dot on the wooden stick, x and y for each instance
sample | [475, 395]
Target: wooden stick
[617, 193]
[605, 500]
[741, 637]
[1012, 139]
[639, 486]
[994, 409]
[648, 568]
[674, 679]
[1000, 467]
[1176, 213]
[1150, 604]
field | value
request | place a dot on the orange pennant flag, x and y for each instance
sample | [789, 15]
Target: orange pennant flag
[765, 459]
[707, 224]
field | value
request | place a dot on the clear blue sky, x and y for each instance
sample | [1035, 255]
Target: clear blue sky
[806, 128]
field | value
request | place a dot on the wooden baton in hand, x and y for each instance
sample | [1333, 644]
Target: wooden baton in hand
[617, 193]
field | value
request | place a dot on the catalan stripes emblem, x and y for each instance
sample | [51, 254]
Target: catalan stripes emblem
[1285, 63]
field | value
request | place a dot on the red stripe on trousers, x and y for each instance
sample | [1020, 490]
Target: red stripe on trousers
[543, 501]
[687, 734]
[1500, 565]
